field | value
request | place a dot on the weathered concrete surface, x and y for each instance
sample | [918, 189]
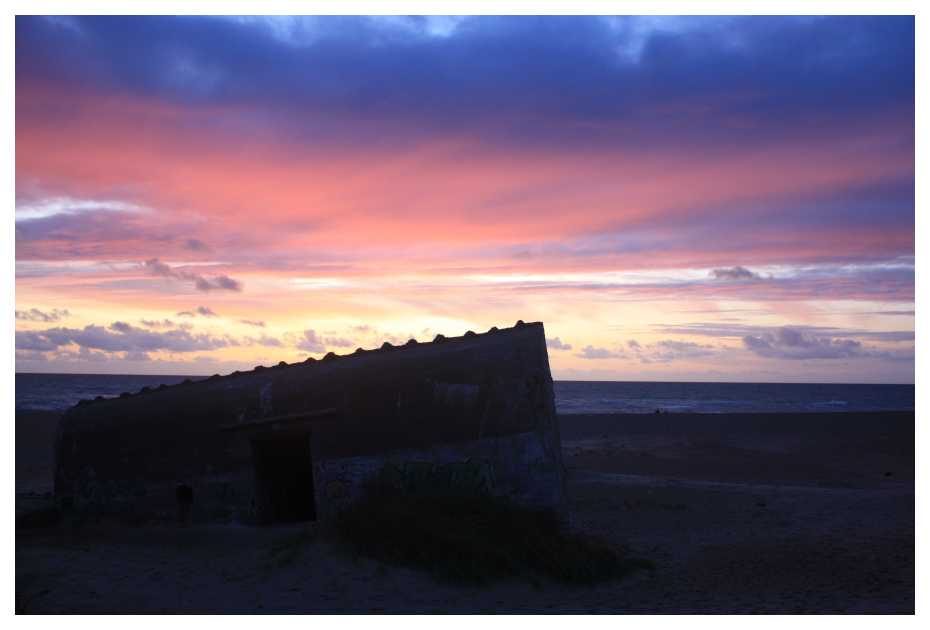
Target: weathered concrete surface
[514, 466]
[453, 398]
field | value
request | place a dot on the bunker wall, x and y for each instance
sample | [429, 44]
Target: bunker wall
[473, 391]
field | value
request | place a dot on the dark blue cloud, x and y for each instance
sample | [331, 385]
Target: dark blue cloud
[526, 79]
[884, 205]
[790, 343]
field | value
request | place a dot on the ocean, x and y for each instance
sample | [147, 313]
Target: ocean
[51, 392]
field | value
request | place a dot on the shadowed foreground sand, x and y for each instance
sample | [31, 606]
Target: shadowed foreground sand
[740, 513]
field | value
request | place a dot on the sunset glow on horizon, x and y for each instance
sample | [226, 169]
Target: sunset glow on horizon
[701, 198]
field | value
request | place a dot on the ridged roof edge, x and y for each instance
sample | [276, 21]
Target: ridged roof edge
[329, 357]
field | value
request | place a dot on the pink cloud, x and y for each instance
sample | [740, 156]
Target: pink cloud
[232, 189]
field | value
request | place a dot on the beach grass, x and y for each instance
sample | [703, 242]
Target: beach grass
[476, 539]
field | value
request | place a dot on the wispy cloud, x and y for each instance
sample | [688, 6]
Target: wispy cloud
[36, 315]
[556, 344]
[119, 337]
[202, 311]
[42, 208]
[790, 343]
[154, 323]
[738, 331]
[592, 352]
[668, 350]
[314, 343]
[734, 273]
[200, 282]
[265, 340]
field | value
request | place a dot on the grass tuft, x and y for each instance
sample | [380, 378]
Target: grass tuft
[476, 539]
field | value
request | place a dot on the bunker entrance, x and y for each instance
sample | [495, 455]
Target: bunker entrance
[284, 479]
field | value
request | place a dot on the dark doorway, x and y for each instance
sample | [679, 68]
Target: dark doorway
[283, 479]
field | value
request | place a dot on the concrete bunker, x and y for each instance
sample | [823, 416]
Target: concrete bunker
[297, 442]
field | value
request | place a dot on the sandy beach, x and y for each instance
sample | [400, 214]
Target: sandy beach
[741, 513]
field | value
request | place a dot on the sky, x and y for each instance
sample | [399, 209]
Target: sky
[676, 198]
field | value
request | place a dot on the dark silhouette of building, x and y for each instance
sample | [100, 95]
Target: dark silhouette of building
[295, 442]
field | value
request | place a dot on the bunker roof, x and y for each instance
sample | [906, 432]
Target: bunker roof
[437, 342]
